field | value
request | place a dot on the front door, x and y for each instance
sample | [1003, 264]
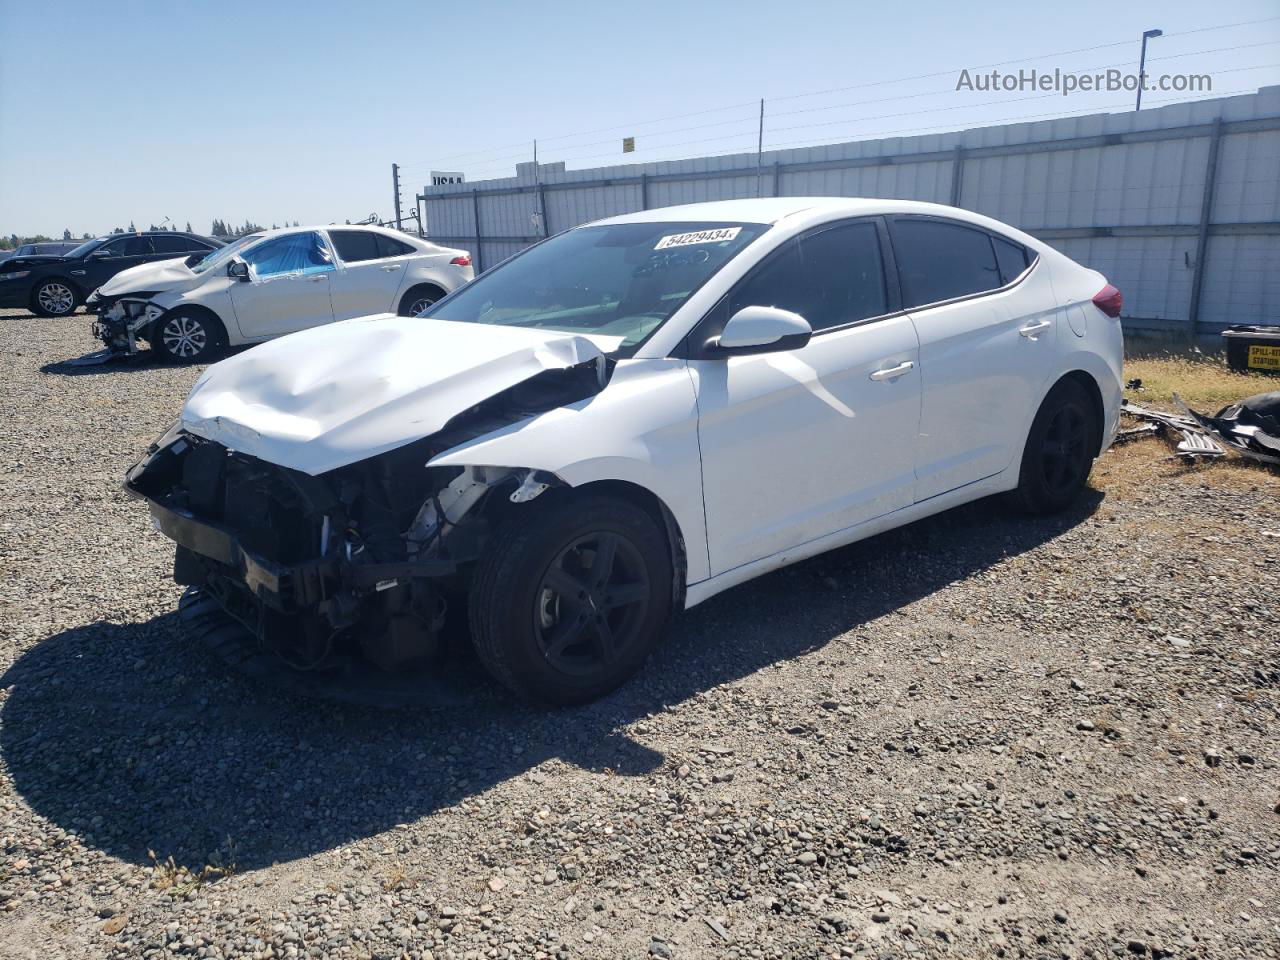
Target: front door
[288, 286]
[113, 256]
[803, 443]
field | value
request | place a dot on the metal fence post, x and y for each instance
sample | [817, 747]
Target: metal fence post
[542, 211]
[777, 175]
[1202, 235]
[644, 191]
[957, 176]
[475, 210]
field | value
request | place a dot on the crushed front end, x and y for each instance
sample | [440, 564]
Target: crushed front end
[358, 561]
[123, 321]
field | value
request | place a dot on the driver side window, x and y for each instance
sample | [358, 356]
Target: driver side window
[296, 253]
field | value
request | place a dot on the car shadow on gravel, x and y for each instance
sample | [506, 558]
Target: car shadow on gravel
[136, 739]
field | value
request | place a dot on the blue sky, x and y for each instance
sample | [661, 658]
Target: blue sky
[134, 109]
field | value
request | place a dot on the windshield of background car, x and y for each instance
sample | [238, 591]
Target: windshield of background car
[223, 254]
[618, 280]
[85, 247]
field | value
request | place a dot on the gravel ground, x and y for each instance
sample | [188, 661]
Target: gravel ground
[981, 735]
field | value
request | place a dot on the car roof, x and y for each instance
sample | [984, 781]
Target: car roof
[773, 209]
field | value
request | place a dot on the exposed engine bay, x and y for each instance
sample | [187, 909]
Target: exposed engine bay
[359, 560]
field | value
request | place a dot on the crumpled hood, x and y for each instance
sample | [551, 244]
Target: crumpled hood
[344, 392]
[151, 277]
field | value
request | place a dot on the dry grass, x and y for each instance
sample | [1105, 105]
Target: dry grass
[1203, 382]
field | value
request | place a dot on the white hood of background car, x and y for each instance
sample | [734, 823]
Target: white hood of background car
[337, 394]
[151, 277]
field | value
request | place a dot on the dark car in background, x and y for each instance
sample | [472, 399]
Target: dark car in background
[55, 247]
[53, 285]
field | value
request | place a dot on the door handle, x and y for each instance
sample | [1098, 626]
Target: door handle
[392, 269]
[1030, 330]
[892, 373]
[316, 278]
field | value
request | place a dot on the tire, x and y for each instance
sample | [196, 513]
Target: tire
[418, 299]
[54, 298]
[1061, 446]
[536, 638]
[186, 337]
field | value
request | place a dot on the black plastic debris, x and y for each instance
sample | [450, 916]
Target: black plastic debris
[1249, 428]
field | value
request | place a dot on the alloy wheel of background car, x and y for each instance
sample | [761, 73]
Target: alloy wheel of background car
[184, 338]
[55, 299]
[420, 304]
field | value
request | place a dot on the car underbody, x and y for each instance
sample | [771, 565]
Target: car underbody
[362, 559]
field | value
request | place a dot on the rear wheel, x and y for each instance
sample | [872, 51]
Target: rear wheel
[568, 602]
[1060, 450]
[418, 299]
[53, 298]
[185, 337]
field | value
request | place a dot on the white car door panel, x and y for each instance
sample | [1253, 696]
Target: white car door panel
[288, 288]
[369, 278]
[797, 444]
[983, 358]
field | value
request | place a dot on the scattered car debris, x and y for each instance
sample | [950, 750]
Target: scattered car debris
[1134, 384]
[1249, 428]
[1194, 441]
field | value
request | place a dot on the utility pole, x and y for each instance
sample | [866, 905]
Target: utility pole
[1142, 63]
[395, 186]
[759, 146]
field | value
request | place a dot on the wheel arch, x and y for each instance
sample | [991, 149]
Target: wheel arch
[77, 290]
[205, 313]
[1086, 380]
[662, 516]
[419, 286]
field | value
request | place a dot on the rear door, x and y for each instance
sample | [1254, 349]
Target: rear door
[985, 320]
[370, 273]
[288, 286]
[802, 443]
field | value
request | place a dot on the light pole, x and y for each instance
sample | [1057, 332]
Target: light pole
[1142, 63]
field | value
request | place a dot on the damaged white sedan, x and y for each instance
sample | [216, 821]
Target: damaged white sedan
[626, 419]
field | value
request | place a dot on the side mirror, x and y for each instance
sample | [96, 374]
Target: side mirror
[238, 269]
[762, 330]
[101, 254]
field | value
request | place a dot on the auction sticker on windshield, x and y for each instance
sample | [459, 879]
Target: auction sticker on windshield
[698, 236]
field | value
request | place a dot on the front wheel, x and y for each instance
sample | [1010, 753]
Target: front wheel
[185, 338]
[1061, 445]
[568, 601]
[54, 298]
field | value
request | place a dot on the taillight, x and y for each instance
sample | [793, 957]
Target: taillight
[465, 261]
[1109, 301]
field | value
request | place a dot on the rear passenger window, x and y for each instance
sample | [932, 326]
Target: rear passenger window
[830, 278]
[941, 261]
[355, 245]
[1012, 258]
[175, 244]
[391, 247]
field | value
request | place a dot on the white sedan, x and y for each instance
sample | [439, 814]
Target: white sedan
[271, 283]
[627, 419]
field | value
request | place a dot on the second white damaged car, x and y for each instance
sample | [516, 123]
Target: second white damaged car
[627, 419]
[271, 283]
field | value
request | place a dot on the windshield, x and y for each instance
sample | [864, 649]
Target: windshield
[223, 254]
[85, 247]
[619, 280]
